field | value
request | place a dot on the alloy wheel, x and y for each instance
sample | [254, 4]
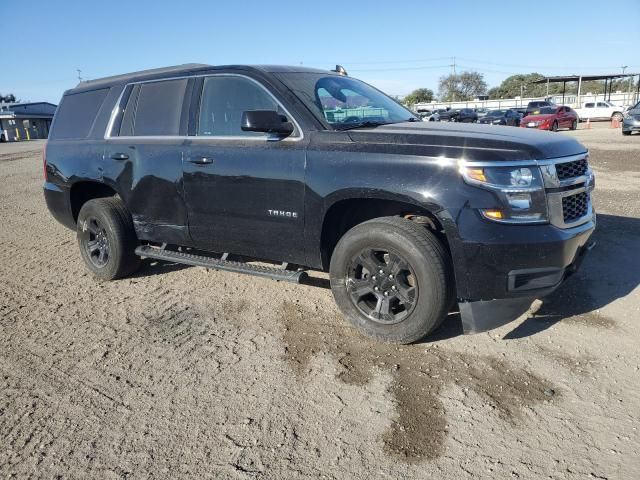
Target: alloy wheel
[382, 286]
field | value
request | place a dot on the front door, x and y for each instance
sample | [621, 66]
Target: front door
[244, 190]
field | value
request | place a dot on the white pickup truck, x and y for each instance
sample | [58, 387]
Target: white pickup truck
[601, 110]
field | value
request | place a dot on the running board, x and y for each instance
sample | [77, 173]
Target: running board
[274, 273]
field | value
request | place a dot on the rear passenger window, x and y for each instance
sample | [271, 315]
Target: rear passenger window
[76, 114]
[589, 105]
[224, 99]
[154, 109]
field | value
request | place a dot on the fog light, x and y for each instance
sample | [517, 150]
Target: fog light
[493, 214]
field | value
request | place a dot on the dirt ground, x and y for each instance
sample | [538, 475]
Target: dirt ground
[184, 372]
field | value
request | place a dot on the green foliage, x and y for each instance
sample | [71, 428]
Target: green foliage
[10, 98]
[461, 87]
[421, 95]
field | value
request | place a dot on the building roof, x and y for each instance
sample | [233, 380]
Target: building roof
[576, 78]
[28, 110]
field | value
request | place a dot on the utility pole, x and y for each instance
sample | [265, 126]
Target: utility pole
[79, 74]
[453, 65]
[624, 67]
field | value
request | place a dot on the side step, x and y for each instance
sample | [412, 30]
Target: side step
[219, 264]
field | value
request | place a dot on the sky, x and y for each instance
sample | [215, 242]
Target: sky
[397, 46]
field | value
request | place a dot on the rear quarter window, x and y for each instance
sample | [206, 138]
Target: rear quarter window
[76, 114]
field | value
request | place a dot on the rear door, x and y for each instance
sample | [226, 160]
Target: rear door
[244, 190]
[143, 157]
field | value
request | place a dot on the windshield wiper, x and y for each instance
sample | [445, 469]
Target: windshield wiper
[367, 124]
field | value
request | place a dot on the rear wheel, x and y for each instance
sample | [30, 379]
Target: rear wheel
[107, 238]
[574, 125]
[554, 127]
[392, 279]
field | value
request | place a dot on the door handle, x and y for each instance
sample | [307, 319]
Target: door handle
[202, 161]
[120, 156]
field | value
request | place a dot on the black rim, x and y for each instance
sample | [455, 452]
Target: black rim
[382, 286]
[96, 242]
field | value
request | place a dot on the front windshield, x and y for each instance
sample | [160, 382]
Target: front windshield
[343, 102]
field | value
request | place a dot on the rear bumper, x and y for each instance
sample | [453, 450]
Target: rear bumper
[500, 269]
[57, 200]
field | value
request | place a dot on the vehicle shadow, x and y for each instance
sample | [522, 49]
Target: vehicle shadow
[150, 267]
[609, 272]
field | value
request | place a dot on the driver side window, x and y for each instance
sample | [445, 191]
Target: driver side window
[224, 99]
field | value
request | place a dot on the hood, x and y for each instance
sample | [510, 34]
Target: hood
[468, 141]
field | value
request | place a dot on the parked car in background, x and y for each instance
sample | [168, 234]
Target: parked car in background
[447, 115]
[631, 120]
[537, 105]
[502, 117]
[467, 115]
[600, 111]
[551, 118]
[481, 112]
[429, 116]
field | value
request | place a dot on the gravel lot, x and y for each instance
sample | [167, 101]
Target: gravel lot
[184, 372]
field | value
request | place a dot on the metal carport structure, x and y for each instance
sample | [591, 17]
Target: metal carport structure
[608, 82]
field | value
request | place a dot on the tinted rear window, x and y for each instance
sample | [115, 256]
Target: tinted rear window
[158, 107]
[76, 114]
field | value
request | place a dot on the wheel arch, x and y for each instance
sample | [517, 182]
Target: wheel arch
[349, 210]
[83, 191]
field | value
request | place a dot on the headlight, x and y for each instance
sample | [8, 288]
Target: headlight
[627, 114]
[497, 121]
[519, 189]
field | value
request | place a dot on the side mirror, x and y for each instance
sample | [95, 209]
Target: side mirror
[267, 121]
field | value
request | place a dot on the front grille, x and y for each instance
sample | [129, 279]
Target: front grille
[572, 169]
[575, 206]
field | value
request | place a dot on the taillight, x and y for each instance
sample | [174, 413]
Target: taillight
[44, 161]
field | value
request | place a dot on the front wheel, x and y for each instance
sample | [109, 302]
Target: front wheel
[617, 116]
[574, 125]
[392, 279]
[107, 239]
[554, 127]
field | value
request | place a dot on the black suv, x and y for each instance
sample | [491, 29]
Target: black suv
[311, 169]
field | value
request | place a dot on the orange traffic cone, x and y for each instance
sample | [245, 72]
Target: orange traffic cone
[588, 124]
[615, 123]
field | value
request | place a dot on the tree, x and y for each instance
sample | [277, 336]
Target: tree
[10, 98]
[521, 86]
[461, 87]
[421, 95]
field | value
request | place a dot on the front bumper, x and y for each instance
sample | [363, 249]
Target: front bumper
[482, 315]
[500, 269]
[631, 125]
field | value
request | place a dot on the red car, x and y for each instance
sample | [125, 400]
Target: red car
[551, 118]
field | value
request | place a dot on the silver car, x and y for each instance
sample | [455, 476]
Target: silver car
[631, 120]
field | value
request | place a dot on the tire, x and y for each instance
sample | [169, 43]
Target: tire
[424, 281]
[626, 133]
[554, 127]
[617, 116]
[107, 239]
[574, 125]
